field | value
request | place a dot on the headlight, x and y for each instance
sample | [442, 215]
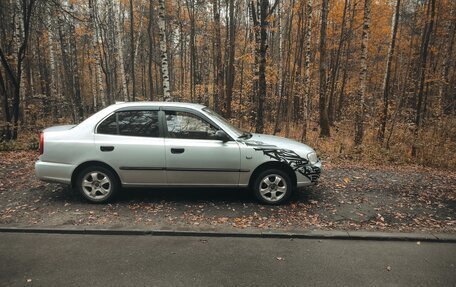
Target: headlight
[312, 157]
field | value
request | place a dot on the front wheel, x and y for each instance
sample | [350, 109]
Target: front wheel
[97, 184]
[273, 186]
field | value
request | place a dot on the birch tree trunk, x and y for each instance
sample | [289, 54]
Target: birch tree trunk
[230, 68]
[191, 12]
[263, 23]
[307, 69]
[132, 52]
[218, 67]
[150, 56]
[141, 21]
[281, 72]
[164, 51]
[287, 89]
[386, 81]
[120, 51]
[359, 117]
[19, 34]
[54, 94]
[75, 68]
[99, 66]
[323, 106]
[98, 88]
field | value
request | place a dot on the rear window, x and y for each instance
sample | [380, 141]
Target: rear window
[131, 123]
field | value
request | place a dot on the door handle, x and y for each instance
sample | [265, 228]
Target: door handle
[177, 150]
[106, 148]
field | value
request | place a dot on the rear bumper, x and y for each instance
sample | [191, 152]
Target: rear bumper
[54, 172]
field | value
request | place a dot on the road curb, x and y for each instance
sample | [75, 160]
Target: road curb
[337, 234]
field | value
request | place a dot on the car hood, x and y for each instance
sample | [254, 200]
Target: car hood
[262, 140]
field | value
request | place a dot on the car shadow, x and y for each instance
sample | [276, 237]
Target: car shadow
[185, 195]
[202, 195]
[182, 195]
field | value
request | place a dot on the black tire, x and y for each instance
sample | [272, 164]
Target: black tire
[281, 186]
[97, 184]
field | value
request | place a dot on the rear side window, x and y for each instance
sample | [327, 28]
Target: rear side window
[131, 123]
[108, 126]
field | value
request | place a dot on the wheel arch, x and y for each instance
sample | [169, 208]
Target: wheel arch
[273, 165]
[86, 164]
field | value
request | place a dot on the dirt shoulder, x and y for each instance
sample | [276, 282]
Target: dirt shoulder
[350, 196]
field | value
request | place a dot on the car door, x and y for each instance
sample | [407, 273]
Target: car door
[131, 141]
[193, 155]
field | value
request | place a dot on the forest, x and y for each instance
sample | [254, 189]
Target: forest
[371, 80]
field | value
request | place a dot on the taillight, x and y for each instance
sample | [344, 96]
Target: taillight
[41, 148]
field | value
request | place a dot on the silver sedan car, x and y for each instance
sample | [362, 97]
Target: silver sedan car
[162, 144]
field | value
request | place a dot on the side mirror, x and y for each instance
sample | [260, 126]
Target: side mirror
[221, 135]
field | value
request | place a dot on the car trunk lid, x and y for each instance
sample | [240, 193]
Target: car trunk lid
[59, 128]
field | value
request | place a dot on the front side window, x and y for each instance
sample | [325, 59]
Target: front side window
[131, 123]
[234, 129]
[185, 125]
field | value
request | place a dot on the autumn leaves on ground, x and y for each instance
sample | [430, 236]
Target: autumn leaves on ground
[360, 81]
[351, 196]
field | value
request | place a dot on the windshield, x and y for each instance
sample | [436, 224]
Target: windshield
[227, 124]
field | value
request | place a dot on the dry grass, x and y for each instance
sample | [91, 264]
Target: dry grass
[436, 145]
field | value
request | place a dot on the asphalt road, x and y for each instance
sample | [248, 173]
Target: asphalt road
[110, 260]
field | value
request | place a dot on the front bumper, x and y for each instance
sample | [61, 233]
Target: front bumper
[308, 174]
[313, 173]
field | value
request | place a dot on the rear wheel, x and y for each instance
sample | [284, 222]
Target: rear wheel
[273, 186]
[97, 184]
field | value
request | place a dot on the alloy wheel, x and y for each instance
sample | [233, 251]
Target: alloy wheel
[96, 185]
[273, 187]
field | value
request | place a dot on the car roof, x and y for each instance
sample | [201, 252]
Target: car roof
[161, 104]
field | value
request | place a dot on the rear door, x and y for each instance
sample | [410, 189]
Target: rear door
[193, 155]
[131, 141]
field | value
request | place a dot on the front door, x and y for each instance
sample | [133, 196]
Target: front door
[194, 156]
